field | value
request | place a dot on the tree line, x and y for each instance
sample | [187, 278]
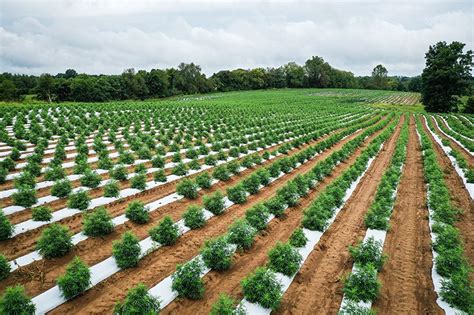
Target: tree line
[188, 78]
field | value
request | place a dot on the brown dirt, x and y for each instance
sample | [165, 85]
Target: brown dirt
[468, 156]
[244, 263]
[407, 286]
[101, 248]
[161, 263]
[460, 198]
[317, 288]
[23, 243]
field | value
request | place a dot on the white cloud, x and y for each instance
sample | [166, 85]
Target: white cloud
[109, 36]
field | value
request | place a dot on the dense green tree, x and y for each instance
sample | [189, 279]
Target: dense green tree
[379, 77]
[446, 76]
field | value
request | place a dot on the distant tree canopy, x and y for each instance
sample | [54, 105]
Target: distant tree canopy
[188, 78]
[447, 76]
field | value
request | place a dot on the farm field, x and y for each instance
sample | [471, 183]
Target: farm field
[291, 201]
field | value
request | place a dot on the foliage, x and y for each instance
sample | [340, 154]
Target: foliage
[262, 287]
[126, 251]
[111, 189]
[242, 234]
[4, 268]
[217, 254]
[204, 180]
[6, 228]
[298, 239]
[368, 252]
[25, 197]
[194, 217]
[55, 241]
[76, 279]
[138, 182]
[214, 203]
[257, 216]
[187, 188]
[137, 212]
[98, 223]
[138, 301]
[41, 213]
[79, 200]
[237, 194]
[187, 280]
[166, 232]
[362, 285]
[61, 188]
[225, 305]
[285, 259]
[15, 301]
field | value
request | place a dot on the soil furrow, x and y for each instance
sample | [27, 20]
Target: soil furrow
[160, 264]
[317, 288]
[407, 286]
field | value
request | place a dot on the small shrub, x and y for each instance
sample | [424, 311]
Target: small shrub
[187, 188]
[111, 189]
[79, 200]
[457, 291]
[214, 203]
[262, 287]
[140, 169]
[362, 285]
[221, 173]
[41, 213]
[194, 217]
[289, 194]
[263, 176]
[158, 162]
[25, 180]
[226, 305]
[159, 176]
[252, 184]
[4, 268]
[15, 301]
[119, 173]
[6, 228]
[126, 251]
[55, 241]
[180, 169]
[61, 188]
[138, 182]
[368, 252]
[187, 280]
[98, 223]
[242, 234]
[166, 232]
[91, 179]
[276, 206]
[137, 212]
[204, 180]
[237, 194]
[217, 254]
[76, 279]
[285, 259]
[194, 165]
[3, 174]
[25, 197]
[54, 173]
[257, 216]
[138, 301]
[298, 239]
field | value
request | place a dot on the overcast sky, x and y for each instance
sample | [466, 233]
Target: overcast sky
[109, 36]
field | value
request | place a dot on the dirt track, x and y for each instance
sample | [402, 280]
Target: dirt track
[162, 262]
[317, 288]
[407, 287]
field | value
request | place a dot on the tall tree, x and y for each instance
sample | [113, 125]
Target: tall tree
[8, 91]
[379, 77]
[446, 76]
[294, 75]
[318, 72]
[45, 87]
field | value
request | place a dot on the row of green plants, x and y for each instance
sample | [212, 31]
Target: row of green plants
[216, 253]
[459, 127]
[378, 215]
[460, 160]
[450, 262]
[469, 144]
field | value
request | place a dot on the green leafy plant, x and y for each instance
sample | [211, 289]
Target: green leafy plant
[159, 176]
[6, 228]
[55, 241]
[166, 232]
[138, 301]
[119, 173]
[252, 184]
[15, 301]
[187, 188]
[368, 252]
[187, 280]
[79, 200]
[204, 180]
[76, 279]
[138, 182]
[242, 234]
[276, 206]
[298, 239]
[111, 189]
[214, 203]
[225, 305]
[98, 223]
[221, 173]
[237, 194]
[262, 287]
[137, 212]
[41, 213]
[284, 258]
[25, 197]
[4, 267]
[217, 254]
[194, 217]
[91, 179]
[257, 216]
[126, 251]
[362, 285]
[61, 188]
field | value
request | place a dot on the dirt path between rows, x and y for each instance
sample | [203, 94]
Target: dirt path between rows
[39, 276]
[468, 156]
[161, 263]
[460, 198]
[407, 286]
[244, 263]
[317, 288]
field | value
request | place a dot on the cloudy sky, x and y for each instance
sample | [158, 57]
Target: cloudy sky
[107, 36]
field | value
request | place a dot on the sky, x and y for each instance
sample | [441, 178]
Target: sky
[108, 36]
